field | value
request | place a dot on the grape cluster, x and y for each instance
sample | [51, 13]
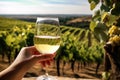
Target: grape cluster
[114, 30]
[115, 40]
[114, 34]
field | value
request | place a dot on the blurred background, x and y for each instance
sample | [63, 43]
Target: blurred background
[80, 54]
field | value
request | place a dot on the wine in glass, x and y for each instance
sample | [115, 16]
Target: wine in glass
[47, 39]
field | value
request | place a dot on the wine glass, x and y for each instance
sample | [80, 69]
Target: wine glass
[47, 39]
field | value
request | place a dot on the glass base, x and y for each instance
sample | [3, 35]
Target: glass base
[46, 77]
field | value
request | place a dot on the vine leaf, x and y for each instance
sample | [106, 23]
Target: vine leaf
[93, 3]
[104, 8]
[9, 40]
[92, 25]
[116, 9]
[108, 18]
[96, 16]
[99, 31]
[107, 2]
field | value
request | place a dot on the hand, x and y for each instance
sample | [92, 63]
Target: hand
[43, 62]
[29, 56]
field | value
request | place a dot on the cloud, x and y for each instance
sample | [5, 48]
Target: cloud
[44, 7]
[67, 2]
[19, 8]
[68, 7]
[71, 9]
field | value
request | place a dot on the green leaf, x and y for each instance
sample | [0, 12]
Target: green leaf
[100, 35]
[103, 37]
[96, 1]
[104, 8]
[97, 15]
[108, 19]
[89, 1]
[92, 5]
[101, 26]
[107, 3]
[112, 20]
[116, 9]
[100, 32]
[92, 25]
[9, 40]
[70, 56]
[104, 17]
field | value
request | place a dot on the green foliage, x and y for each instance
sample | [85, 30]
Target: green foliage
[74, 41]
[8, 24]
[73, 49]
[92, 25]
[104, 8]
[116, 9]
[93, 3]
[107, 14]
[2, 44]
[29, 39]
[13, 35]
[108, 19]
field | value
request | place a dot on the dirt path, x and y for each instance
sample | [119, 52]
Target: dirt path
[60, 78]
[85, 73]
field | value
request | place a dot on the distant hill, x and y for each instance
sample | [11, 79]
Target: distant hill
[80, 19]
[71, 20]
[80, 22]
[32, 18]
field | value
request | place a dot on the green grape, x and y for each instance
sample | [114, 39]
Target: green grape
[115, 40]
[114, 30]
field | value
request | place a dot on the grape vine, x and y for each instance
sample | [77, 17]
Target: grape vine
[107, 19]
[75, 43]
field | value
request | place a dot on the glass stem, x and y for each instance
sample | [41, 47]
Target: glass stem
[46, 71]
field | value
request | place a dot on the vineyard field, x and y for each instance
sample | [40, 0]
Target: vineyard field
[78, 45]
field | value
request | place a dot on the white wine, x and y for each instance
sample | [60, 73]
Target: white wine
[47, 44]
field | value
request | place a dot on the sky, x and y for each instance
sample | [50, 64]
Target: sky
[44, 7]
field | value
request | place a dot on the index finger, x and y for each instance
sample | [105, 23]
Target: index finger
[33, 51]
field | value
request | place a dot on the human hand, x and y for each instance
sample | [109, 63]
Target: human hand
[42, 61]
[28, 56]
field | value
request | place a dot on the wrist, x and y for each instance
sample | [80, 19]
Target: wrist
[11, 73]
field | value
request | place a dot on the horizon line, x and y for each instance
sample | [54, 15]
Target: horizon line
[47, 14]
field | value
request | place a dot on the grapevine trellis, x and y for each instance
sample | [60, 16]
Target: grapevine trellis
[76, 44]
